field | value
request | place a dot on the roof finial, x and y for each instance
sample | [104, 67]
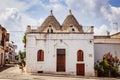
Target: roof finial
[70, 11]
[51, 12]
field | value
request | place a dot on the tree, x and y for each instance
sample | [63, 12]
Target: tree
[108, 67]
[17, 57]
[22, 55]
[24, 40]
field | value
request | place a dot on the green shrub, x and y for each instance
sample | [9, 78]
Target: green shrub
[108, 67]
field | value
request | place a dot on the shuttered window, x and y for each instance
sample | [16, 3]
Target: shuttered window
[40, 55]
[80, 55]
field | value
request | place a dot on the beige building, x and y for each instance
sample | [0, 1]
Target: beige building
[4, 37]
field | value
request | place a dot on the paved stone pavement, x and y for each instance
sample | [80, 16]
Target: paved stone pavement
[2, 68]
[14, 73]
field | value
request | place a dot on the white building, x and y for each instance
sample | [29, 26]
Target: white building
[55, 48]
[106, 44]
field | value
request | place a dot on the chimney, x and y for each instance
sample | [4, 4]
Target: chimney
[92, 29]
[28, 28]
[108, 33]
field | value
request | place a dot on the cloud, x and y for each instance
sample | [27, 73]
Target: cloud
[101, 30]
[12, 4]
[112, 14]
[13, 19]
[60, 11]
[92, 12]
[96, 13]
[15, 15]
[40, 21]
[16, 22]
[10, 18]
[22, 5]
[55, 1]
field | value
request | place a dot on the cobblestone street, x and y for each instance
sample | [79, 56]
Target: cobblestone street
[12, 72]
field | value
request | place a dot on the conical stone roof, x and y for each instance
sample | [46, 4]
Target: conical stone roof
[50, 21]
[71, 20]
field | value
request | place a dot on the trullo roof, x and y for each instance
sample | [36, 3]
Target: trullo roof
[70, 20]
[50, 21]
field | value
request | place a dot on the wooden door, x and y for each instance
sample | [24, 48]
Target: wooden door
[80, 69]
[60, 61]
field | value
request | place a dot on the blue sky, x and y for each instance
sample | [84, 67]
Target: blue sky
[115, 3]
[15, 15]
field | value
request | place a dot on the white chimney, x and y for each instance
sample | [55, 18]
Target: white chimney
[28, 28]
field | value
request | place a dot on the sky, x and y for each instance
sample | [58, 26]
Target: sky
[15, 15]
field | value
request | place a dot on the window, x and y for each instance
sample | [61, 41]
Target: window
[80, 55]
[50, 30]
[40, 55]
[71, 29]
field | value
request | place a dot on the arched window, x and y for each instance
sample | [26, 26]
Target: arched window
[40, 55]
[80, 55]
[50, 30]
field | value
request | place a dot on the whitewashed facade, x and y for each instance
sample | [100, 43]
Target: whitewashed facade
[71, 43]
[61, 41]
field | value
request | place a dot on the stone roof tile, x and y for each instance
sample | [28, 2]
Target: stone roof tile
[70, 20]
[50, 21]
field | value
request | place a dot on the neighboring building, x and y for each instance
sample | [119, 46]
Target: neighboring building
[4, 37]
[55, 48]
[10, 54]
[106, 44]
[116, 36]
